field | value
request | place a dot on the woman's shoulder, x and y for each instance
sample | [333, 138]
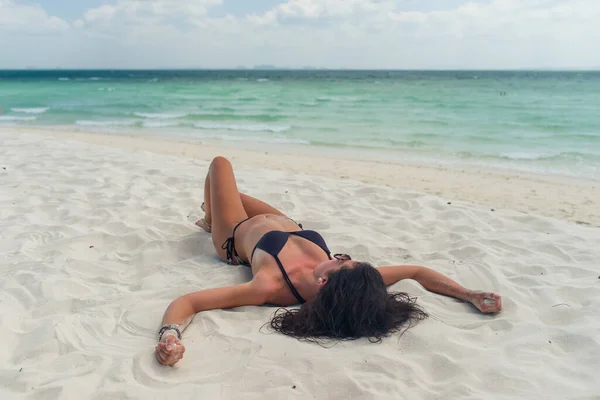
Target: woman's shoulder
[265, 283]
[272, 288]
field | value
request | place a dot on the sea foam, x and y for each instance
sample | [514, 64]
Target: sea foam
[160, 115]
[105, 123]
[14, 118]
[33, 110]
[158, 124]
[248, 128]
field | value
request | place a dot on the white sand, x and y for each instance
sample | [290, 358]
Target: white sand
[95, 242]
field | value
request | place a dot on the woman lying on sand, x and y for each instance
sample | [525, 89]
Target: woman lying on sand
[341, 298]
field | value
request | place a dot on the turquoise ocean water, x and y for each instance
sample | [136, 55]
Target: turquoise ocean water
[544, 122]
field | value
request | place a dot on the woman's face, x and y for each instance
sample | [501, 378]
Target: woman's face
[325, 268]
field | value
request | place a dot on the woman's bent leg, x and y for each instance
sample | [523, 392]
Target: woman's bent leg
[252, 206]
[223, 204]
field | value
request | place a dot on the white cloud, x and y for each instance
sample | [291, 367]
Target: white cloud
[150, 10]
[15, 18]
[103, 13]
[330, 33]
[270, 17]
[333, 8]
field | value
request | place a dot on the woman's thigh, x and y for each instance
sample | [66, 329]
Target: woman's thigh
[254, 206]
[226, 206]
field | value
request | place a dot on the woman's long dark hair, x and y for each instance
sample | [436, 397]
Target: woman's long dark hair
[353, 303]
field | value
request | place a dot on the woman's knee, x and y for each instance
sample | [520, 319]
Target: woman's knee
[220, 162]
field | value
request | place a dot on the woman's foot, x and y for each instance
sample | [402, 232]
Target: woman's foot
[203, 223]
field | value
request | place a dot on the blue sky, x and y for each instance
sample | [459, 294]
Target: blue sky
[67, 9]
[70, 9]
[400, 34]
[74, 9]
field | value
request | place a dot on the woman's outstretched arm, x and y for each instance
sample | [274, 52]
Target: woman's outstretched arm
[486, 302]
[180, 312]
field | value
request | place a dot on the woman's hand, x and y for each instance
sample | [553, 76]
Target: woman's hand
[170, 349]
[486, 302]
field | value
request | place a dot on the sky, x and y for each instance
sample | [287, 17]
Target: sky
[371, 34]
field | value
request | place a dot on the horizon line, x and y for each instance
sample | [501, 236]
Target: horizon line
[307, 68]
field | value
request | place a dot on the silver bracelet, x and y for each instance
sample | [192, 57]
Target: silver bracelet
[168, 327]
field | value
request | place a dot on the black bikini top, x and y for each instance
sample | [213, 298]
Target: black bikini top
[272, 243]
